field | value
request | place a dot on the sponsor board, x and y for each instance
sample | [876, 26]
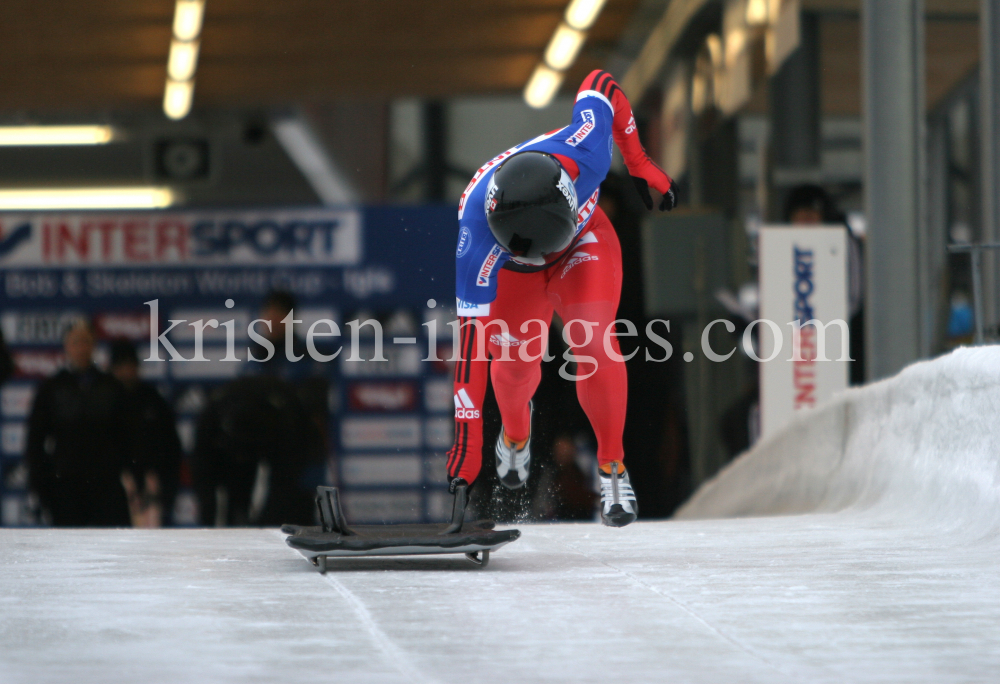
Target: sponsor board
[437, 395]
[35, 363]
[122, 324]
[107, 271]
[197, 322]
[439, 432]
[13, 511]
[360, 470]
[381, 433]
[399, 361]
[213, 368]
[163, 239]
[383, 507]
[16, 400]
[436, 470]
[13, 438]
[439, 505]
[803, 276]
[382, 396]
[38, 327]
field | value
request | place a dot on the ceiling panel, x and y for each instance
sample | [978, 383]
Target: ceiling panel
[68, 55]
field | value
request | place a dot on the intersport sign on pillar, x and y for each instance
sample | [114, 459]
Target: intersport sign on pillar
[803, 277]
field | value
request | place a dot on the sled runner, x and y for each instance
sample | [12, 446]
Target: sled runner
[335, 538]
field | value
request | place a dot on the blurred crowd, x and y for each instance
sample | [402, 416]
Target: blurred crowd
[103, 449]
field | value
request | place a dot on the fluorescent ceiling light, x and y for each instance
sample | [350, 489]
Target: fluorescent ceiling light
[563, 47]
[188, 16]
[177, 98]
[736, 40]
[542, 87]
[183, 60]
[581, 14]
[757, 12]
[714, 44]
[50, 199]
[56, 135]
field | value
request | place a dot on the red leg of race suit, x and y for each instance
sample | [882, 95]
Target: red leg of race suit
[520, 297]
[583, 286]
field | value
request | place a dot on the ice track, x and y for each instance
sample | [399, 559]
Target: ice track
[878, 563]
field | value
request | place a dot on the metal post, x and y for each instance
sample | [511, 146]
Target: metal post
[977, 292]
[436, 150]
[795, 102]
[989, 103]
[894, 123]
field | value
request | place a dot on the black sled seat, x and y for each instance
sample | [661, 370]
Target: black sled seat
[335, 538]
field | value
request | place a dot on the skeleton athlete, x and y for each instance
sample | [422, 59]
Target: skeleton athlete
[532, 241]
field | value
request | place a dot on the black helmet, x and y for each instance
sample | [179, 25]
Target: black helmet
[531, 206]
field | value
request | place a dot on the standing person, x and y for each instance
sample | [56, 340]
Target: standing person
[290, 360]
[528, 247]
[811, 205]
[6, 361]
[151, 481]
[78, 440]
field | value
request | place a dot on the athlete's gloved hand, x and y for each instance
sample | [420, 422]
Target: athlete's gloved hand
[669, 190]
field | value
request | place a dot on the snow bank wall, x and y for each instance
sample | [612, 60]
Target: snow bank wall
[923, 446]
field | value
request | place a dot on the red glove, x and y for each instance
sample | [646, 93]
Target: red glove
[641, 168]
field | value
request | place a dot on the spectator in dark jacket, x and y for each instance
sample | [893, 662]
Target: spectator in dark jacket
[78, 442]
[6, 361]
[151, 480]
[254, 444]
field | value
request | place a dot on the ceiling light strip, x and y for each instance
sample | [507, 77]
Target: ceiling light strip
[51, 199]
[562, 51]
[183, 59]
[17, 136]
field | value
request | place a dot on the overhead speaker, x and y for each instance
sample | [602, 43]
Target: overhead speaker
[182, 159]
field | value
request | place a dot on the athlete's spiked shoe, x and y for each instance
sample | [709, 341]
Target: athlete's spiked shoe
[513, 460]
[618, 504]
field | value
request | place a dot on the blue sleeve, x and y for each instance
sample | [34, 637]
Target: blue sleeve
[478, 259]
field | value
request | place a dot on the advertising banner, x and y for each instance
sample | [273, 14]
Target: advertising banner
[390, 264]
[803, 278]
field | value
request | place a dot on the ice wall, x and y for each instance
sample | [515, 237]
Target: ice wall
[922, 447]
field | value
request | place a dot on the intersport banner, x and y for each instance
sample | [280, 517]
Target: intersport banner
[340, 264]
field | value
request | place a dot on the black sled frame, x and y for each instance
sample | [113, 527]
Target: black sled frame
[334, 537]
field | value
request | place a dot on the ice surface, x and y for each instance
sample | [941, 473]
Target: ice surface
[886, 573]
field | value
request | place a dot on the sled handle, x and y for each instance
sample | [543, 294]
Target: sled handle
[331, 515]
[458, 511]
